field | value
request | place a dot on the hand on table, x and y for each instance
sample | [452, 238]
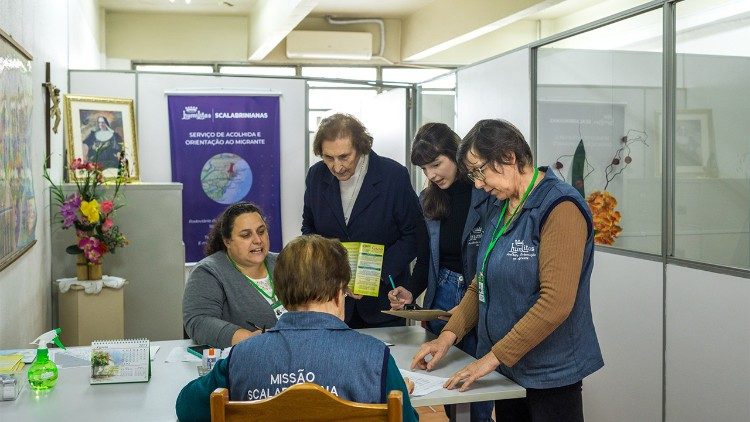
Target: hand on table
[436, 349]
[399, 297]
[472, 372]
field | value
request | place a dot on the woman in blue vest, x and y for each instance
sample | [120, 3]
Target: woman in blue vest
[530, 298]
[230, 295]
[453, 211]
[311, 276]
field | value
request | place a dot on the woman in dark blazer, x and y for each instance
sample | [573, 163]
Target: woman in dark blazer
[355, 195]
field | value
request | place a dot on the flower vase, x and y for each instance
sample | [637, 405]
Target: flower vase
[94, 271]
[82, 270]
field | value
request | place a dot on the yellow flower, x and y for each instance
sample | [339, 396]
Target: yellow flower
[90, 209]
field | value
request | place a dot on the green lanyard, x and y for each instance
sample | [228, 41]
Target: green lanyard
[272, 297]
[498, 233]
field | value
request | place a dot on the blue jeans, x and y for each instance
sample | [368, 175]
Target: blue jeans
[450, 290]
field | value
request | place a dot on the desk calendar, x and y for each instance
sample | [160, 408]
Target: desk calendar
[117, 361]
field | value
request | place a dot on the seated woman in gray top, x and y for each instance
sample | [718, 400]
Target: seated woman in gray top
[230, 295]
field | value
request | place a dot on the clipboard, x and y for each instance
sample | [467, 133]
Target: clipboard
[419, 314]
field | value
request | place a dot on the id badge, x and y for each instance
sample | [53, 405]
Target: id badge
[482, 288]
[278, 309]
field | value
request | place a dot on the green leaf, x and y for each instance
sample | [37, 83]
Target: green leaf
[73, 250]
[578, 167]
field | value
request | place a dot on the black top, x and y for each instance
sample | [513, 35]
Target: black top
[452, 227]
[451, 232]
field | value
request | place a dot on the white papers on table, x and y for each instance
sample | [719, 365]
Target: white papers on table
[180, 354]
[423, 384]
[71, 358]
[28, 354]
[225, 352]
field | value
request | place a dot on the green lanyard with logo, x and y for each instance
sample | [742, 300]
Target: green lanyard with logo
[272, 300]
[498, 233]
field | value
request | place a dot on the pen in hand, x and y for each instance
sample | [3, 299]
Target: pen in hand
[393, 285]
[393, 295]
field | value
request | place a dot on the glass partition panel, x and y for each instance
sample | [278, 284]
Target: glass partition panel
[599, 101]
[712, 150]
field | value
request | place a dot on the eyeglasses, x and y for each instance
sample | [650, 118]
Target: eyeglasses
[477, 173]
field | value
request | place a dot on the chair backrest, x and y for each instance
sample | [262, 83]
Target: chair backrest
[304, 402]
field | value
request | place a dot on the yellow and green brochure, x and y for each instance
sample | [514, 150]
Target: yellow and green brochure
[366, 263]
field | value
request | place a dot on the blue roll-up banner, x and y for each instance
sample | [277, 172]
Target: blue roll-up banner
[225, 149]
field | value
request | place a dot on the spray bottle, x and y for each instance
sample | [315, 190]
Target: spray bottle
[43, 372]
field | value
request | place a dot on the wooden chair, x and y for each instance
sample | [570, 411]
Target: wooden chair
[304, 402]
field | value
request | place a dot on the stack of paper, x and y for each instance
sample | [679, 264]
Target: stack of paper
[423, 384]
[11, 363]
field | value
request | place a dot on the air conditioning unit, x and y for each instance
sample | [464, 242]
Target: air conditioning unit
[334, 45]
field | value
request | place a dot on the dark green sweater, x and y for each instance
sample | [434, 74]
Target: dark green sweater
[193, 403]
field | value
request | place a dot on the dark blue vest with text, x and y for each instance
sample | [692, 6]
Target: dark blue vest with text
[309, 347]
[570, 352]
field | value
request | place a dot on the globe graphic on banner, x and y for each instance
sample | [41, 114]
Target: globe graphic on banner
[226, 178]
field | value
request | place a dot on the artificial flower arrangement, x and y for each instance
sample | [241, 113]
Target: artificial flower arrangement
[89, 211]
[603, 205]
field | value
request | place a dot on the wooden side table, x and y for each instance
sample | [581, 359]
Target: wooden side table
[85, 317]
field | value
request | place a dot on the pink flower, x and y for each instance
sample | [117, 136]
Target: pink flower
[76, 164]
[106, 207]
[107, 224]
[92, 248]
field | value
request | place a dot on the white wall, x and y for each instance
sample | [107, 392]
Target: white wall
[41, 28]
[707, 347]
[131, 36]
[85, 33]
[626, 304]
[498, 88]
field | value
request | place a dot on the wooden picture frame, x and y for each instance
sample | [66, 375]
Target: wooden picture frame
[102, 129]
[18, 215]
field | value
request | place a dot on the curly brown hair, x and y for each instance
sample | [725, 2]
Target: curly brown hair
[342, 125]
[222, 228]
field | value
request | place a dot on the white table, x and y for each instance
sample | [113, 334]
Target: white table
[74, 399]
[407, 341]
